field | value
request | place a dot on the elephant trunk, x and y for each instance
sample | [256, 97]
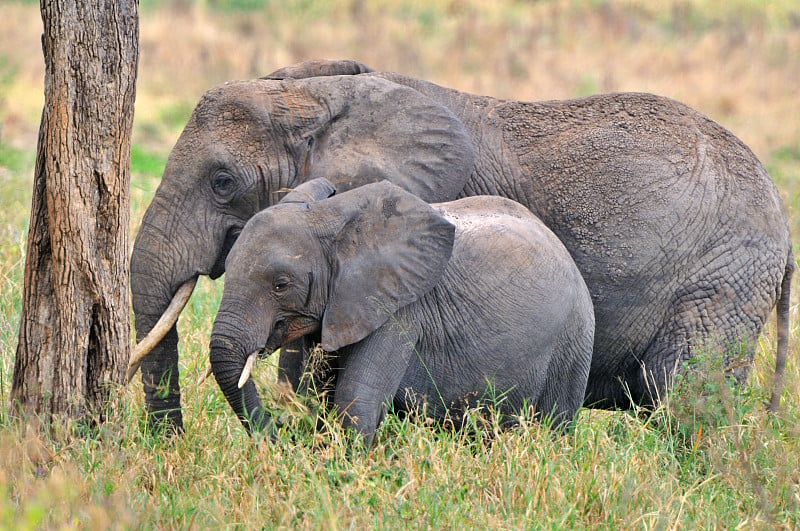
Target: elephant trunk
[227, 364]
[164, 324]
[160, 379]
[155, 277]
[228, 356]
[160, 366]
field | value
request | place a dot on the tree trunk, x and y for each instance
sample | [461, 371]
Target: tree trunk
[74, 336]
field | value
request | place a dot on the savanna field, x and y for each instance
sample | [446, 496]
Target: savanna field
[710, 457]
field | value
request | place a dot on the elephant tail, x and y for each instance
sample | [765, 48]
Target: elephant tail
[783, 334]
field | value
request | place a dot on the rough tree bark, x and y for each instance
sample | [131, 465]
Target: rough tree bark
[74, 335]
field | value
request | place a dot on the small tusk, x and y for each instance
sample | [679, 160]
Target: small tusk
[205, 376]
[164, 324]
[248, 368]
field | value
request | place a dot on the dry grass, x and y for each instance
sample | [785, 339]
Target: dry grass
[738, 64]
[725, 465]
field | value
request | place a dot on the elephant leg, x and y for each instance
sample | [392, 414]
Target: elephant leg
[371, 372]
[715, 317]
[647, 379]
[160, 379]
[564, 392]
[718, 330]
[730, 351]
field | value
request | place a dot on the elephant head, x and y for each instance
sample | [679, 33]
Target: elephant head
[246, 142]
[340, 267]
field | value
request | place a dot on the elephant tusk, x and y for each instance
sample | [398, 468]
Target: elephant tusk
[205, 376]
[164, 324]
[248, 368]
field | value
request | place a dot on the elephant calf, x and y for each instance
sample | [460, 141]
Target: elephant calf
[439, 304]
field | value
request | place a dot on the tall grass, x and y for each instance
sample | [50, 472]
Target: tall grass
[708, 457]
[660, 470]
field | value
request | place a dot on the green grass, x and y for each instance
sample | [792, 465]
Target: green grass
[145, 163]
[615, 470]
[16, 170]
[14, 159]
[784, 167]
[710, 457]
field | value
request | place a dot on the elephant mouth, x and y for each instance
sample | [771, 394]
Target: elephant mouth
[273, 342]
[278, 336]
[231, 236]
[282, 332]
[302, 327]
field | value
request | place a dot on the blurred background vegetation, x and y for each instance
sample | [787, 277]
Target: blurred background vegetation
[738, 61]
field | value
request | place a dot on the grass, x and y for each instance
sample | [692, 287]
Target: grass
[708, 458]
[614, 470]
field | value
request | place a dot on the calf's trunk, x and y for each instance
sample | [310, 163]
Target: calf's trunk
[227, 363]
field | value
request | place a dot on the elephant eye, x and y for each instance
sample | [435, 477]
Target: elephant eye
[223, 183]
[280, 285]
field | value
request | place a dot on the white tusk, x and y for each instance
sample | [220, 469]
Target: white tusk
[164, 324]
[205, 376]
[248, 368]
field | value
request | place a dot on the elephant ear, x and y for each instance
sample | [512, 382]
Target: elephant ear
[320, 67]
[375, 129]
[310, 192]
[391, 249]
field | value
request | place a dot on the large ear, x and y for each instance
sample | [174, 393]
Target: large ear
[390, 250]
[320, 67]
[373, 129]
[311, 191]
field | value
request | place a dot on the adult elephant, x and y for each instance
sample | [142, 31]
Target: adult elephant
[676, 226]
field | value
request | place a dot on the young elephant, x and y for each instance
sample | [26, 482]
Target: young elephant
[437, 303]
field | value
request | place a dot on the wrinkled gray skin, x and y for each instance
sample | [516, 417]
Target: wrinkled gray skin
[439, 304]
[676, 226]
